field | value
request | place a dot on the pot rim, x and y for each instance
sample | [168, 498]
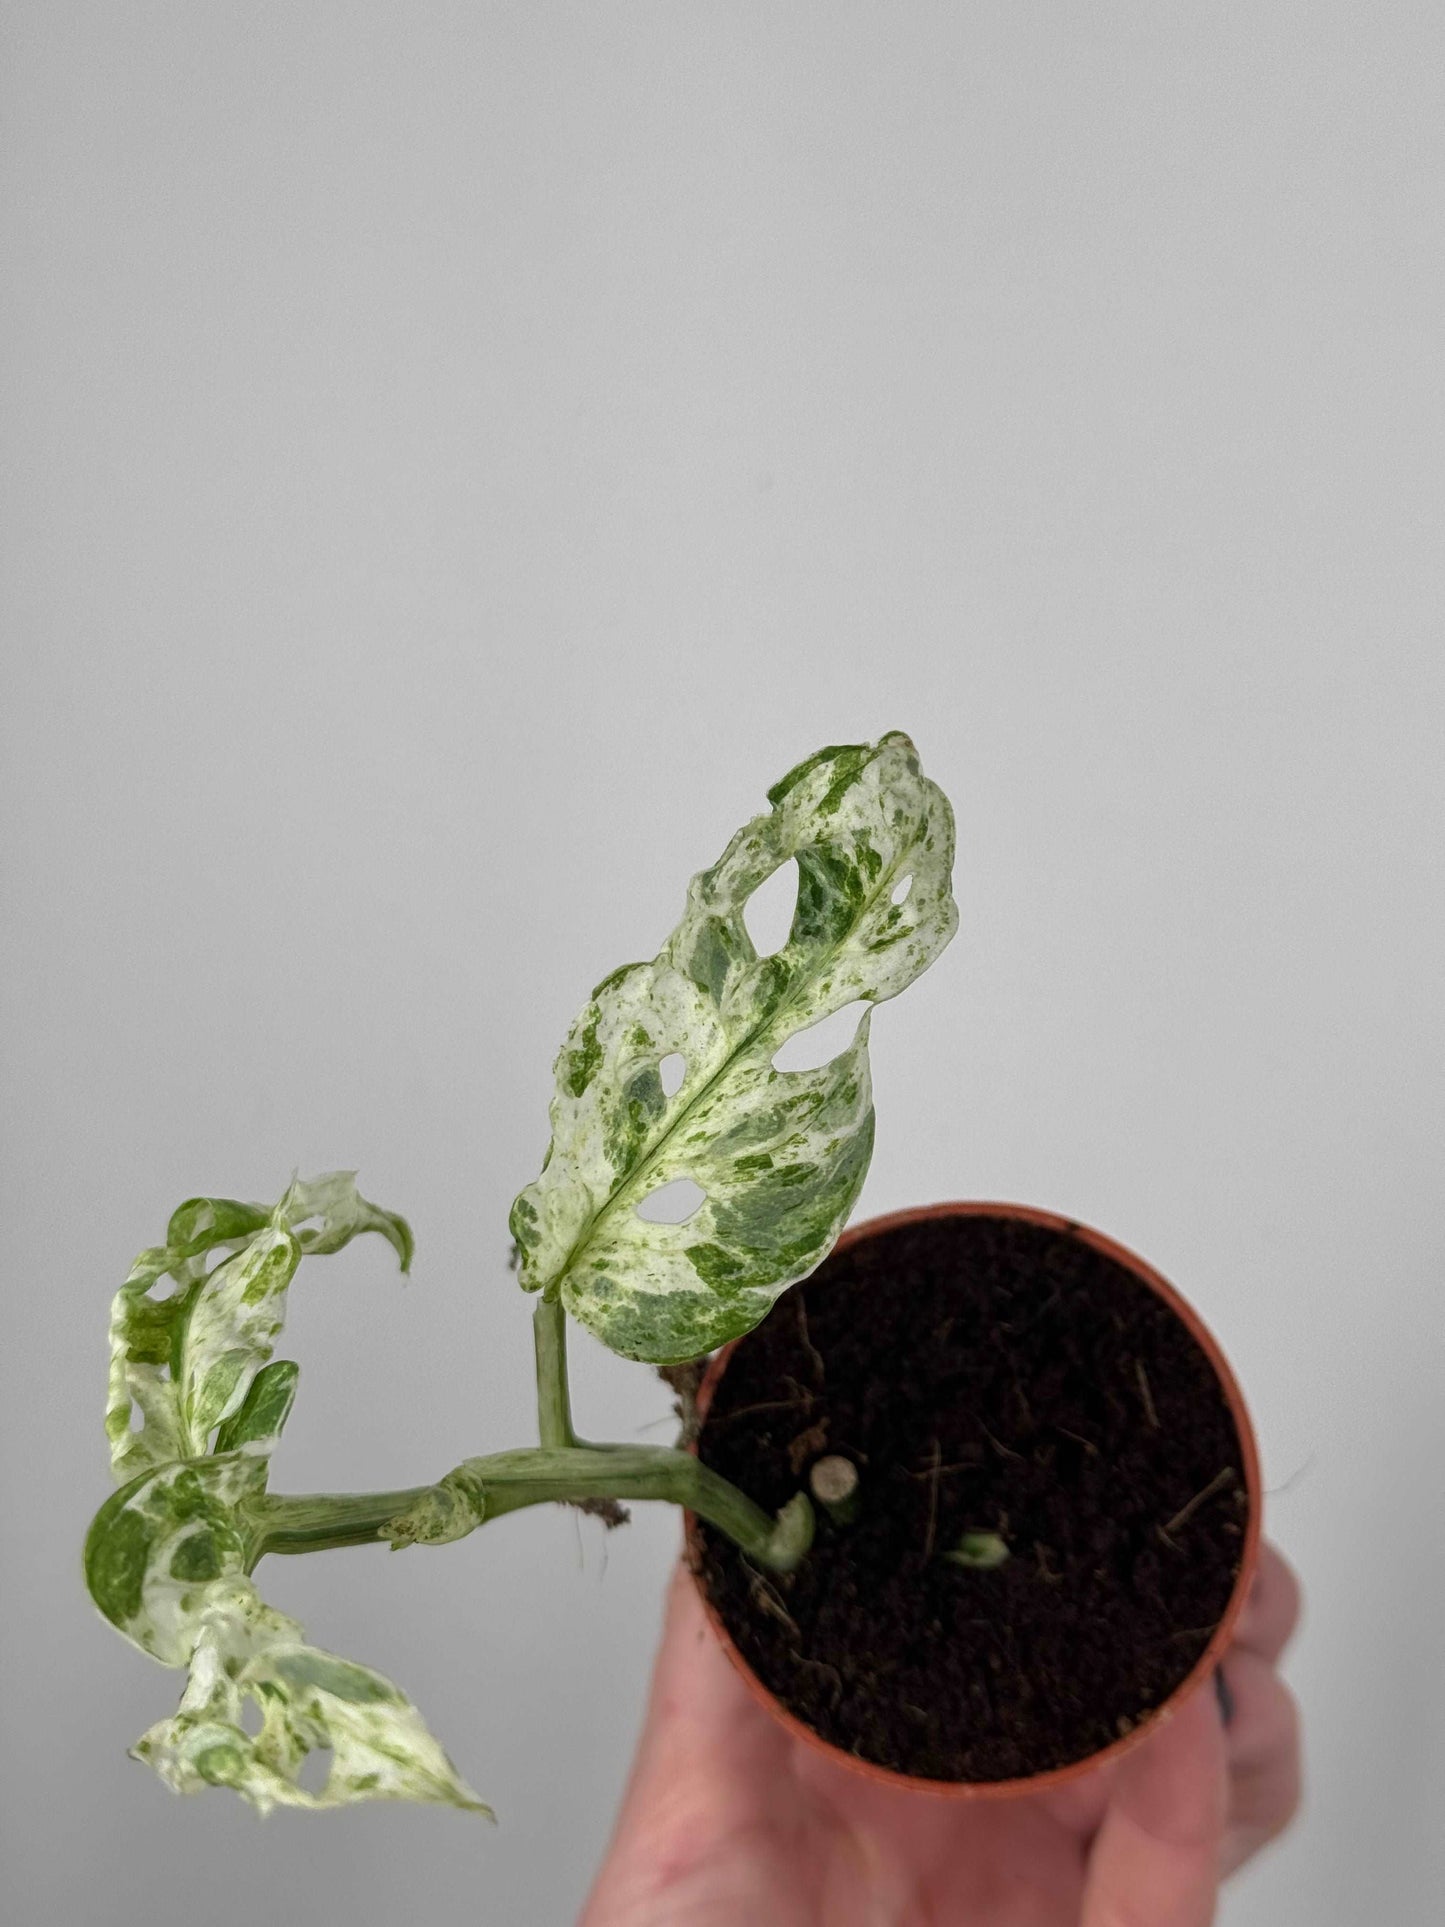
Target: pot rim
[1204, 1668]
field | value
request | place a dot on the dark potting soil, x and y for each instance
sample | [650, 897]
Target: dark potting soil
[984, 1374]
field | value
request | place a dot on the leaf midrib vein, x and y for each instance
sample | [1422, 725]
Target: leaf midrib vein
[650, 1161]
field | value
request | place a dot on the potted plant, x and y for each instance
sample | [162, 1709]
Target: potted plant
[988, 1417]
[1039, 1500]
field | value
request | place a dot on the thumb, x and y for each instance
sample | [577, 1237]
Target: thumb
[700, 1719]
[1155, 1861]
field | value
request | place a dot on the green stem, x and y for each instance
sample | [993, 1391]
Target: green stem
[320, 1521]
[483, 1489]
[554, 1400]
[564, 1468]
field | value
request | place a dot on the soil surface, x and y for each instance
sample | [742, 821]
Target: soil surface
[985, 1375]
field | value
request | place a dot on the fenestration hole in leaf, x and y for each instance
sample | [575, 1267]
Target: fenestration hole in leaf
[899, 892]
[768, 912]
[672, 1203]
[315, 1770]
[671, 1071]
[820, 1043]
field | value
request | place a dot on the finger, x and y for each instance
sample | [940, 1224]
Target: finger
[1155, 1862]
[698, 1708]
[705, 1748]
[1272, 1611]
[1263, 1751]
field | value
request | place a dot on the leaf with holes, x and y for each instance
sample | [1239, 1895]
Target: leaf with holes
[166, 1561]
[779, 1155]
[309, 1700]
[168, 1556]
[187, 1360]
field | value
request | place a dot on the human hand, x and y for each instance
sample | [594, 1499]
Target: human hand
[730, 1822]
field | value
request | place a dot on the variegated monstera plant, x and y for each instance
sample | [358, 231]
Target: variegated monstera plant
[197, 1402]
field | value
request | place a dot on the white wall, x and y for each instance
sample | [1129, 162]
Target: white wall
[455, 457]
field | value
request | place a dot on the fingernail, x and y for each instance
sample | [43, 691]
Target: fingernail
[1224, 1696]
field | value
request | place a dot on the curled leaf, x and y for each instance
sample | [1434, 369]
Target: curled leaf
[159, 1543]
[168, 1556]
[779, 1155]
[309, 1699]
[255, 1426]
[147, 1332]
[344, 1215]
[235, 1319]
[187, 1360]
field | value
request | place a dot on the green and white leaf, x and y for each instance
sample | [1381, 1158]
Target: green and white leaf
[344, 1214]
[168, 1556]
[187, 1360]
[780, 1155]
[244, 1650]
[158, 1544]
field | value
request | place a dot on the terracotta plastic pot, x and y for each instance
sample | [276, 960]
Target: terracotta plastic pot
[1201, 1674]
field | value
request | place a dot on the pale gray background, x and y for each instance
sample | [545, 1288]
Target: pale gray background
[455, 457]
